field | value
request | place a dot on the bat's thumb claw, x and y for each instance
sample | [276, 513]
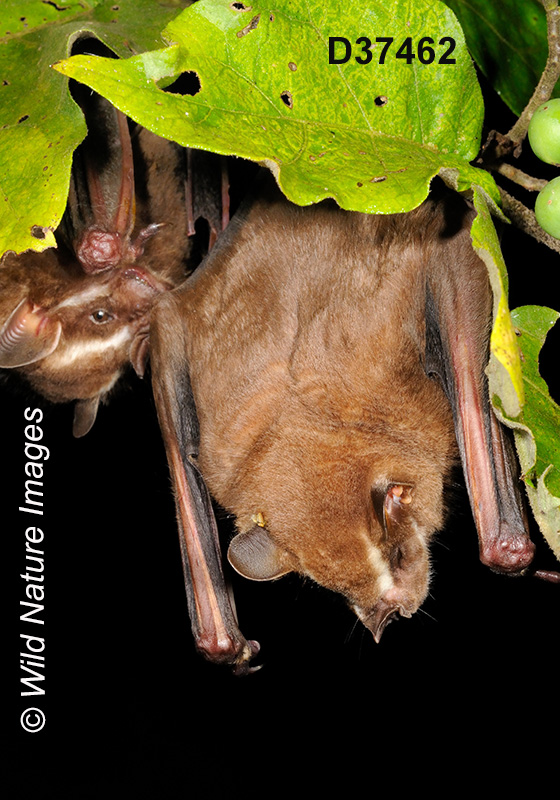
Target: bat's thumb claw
[243, 666]
[249, 670]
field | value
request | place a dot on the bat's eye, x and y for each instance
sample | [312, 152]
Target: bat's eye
[100, 316]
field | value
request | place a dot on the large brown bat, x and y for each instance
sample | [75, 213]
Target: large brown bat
[317, 376]
[73, 319]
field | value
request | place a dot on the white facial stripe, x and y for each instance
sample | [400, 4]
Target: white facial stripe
[384, 582]
[381, 568]
[91, 293]
[81, 350]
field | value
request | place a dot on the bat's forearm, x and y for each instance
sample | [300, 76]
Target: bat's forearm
[214, 625]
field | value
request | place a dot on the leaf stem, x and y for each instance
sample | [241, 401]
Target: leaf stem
[549, 77]
[525, 220]
[519, 177]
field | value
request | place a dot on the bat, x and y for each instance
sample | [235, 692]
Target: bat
[73, 319]
[318, 376]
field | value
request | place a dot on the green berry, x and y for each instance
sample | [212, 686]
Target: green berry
[547, 208]
[544, 132]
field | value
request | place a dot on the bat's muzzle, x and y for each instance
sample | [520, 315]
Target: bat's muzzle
[383, 613]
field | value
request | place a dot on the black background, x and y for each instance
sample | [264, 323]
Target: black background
[133, 711]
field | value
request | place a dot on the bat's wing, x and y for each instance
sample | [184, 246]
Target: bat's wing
[211, 607]
[458, 319]
[207, 192]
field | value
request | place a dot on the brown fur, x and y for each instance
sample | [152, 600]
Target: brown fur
[305, 340]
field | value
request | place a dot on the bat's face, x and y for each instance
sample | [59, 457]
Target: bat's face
[72, 319]
[353, 511]
[72, 336]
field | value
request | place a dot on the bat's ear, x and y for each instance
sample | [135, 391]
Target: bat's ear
[85, 412]
[254, 555]
[391, 505]
[139, 354]
[27, 336]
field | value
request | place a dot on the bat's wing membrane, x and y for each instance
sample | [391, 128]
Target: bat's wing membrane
[458, 315]
[211, 609]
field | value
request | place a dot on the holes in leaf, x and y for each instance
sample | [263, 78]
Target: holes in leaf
[55, 5]
[381, 100]
[85, 44]
[239, 7]
[249, 27]
[37, 232]
[188, 83]
[287, 99]
[22, 119]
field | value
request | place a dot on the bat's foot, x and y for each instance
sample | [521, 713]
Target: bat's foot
[510, 552]
[236, 652]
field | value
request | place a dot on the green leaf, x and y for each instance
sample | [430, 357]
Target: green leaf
[507, 39]
[536, 429]
[23, 16]
[370, 135]
[40, 125]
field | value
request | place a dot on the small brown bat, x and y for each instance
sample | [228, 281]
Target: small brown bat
[318, 376]
[72, 319]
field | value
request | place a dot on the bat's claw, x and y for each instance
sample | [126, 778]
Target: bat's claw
[243, 666]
